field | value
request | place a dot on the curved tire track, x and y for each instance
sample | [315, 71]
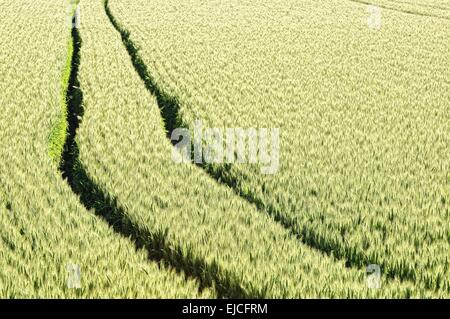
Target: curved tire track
[93, 197]
[410, 12]
[169, 109]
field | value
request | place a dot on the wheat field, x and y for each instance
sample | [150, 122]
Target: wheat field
[345, 167]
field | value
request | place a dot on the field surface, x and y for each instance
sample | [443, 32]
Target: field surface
[44, 228]
[87, 170]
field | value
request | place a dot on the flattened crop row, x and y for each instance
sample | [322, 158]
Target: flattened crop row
[195, 222]
[363, 116]
[45, 232]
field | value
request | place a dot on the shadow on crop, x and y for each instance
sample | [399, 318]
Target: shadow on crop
[94, 198]
[406, 11]
[170, 107]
